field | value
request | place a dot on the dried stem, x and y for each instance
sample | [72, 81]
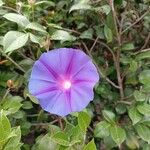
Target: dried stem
[142, 51]
[60, 123]
[10, 59]
[94, 44]
[11, 9]
[147, 40]
[100, 72]
[117, 57]
[139, 19]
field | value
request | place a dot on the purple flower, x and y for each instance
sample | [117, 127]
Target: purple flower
[63, 80]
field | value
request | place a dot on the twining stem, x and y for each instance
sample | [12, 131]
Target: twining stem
[117, 57]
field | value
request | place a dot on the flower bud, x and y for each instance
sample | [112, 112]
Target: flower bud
[31, 2]
[10, 83]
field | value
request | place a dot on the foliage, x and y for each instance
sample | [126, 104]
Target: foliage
[115, 35]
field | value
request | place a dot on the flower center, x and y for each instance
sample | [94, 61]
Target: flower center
[66, 84]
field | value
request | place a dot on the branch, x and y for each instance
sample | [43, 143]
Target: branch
[100, 72]
[117, 58]
[11, 9]
[146, 42]
[94, 44]
[10, 59]
[142, 51]
[78, 33]
[139, 19]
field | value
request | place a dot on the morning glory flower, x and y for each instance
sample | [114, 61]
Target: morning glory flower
[63, 80]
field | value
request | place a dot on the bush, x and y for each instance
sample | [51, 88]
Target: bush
[115, 35]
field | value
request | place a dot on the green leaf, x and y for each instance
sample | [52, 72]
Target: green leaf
[132, 141]
[134, 115]
[102, 129]
[145, 77]
[121, 109]
[131, 78]
[61, 138]
[52, 25]
[14, 40]
[1, 3]
[36, 27]
[144, 109]
[27, 105]
[133, 66]
[46, 143]
[108, 34]
[127, 46]
[14, 142]
[143, 55]
[104, 9]
[76, 135]
[53, 129]
[110, 23]
[18, 115]
[99, 31]
[90, 146]
[25, 127]
[109, 142]
[109, 116]
[143, 132]
[146, 88]
[146, 121]
[12, 105]
[34, 39]
[1, 40]
[118, 134]
[146, 146]
[83, 120]
[88, 34]
[31, 97]
[62, 36]
[68, 128]
[81, 5]
[48, 3]
[119, 2]
[19, 19]
[5, 128]
[139, 96]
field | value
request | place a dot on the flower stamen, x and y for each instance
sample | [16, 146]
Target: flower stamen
[66, 84]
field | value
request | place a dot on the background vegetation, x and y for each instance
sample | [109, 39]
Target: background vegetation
[116, 35]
